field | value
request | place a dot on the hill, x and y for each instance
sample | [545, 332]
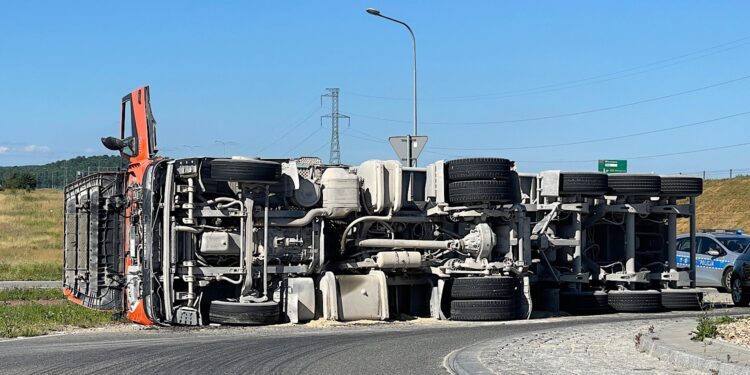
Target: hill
[724, 204]
[59, 173]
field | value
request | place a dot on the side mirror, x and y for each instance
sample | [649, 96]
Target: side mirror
[713, 252]
[112, 143]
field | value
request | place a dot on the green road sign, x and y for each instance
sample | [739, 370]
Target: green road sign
[613, 166]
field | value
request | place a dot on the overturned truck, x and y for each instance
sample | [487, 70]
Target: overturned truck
[239, 240]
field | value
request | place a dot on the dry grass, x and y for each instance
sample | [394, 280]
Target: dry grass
[31, 235]
[724, 204]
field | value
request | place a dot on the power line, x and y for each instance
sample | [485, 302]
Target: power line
[640, 69]
[642, 156]
[569, 114]
[595, 140]
[304, 140]
[291, 129]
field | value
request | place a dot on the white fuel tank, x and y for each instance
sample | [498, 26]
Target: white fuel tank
[340, 192]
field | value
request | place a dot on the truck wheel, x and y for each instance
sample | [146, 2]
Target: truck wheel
[635, 300]
[583, 183]
[740, 295]
[634, 184]
[245, 170]
[493, 287]
[585, 303]
[480, 191]
[241, 313]
[681, 299]
[681, 187]
[483, 310]
[478, 169]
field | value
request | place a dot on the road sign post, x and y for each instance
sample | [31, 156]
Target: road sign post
[408, 155]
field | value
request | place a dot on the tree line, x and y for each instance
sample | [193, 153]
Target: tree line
[57, 174]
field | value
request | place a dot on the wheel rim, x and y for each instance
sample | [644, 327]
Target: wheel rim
[736, 290]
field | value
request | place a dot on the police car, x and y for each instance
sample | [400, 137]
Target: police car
[716, 251]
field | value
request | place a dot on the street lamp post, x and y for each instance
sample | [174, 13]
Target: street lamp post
[375, 12]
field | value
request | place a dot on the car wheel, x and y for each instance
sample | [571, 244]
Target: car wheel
[726, 280]
[740, 297]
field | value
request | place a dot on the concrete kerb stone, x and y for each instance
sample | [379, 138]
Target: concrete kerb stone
[465, 361]
[651, 345]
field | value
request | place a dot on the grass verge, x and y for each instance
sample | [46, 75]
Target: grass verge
[34, 319]
[31, 294]
[30, 271]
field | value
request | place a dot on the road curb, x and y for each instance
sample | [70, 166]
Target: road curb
[4, 285]
[651, 345]
[465, 361]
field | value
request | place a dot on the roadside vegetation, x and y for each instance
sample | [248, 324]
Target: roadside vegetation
[34, 312]
[708, 326]
[31, 234]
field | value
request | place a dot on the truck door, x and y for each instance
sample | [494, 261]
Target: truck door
[101, 212]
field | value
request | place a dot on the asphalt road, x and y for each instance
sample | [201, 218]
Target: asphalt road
[404, 348]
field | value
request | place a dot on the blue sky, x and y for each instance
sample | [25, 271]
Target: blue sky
[252, 72]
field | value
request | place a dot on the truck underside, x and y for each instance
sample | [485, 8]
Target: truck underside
[242, 240]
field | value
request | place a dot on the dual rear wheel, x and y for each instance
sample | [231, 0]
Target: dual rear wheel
[489, 298]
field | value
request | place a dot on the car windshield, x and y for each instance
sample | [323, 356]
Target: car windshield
[736, 244]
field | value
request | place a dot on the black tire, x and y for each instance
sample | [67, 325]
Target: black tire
[726, 280]
[585, 303]
[480, 191]
[478, 169]
[740, 294]
[240, 313]
[583, 183]
[483, 310]
[634, 184]
[685, 299]
[245, 170]
[681, 187]
[635, 300]
[492, 287]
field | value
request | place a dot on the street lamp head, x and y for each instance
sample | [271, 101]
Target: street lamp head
[374, 12]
